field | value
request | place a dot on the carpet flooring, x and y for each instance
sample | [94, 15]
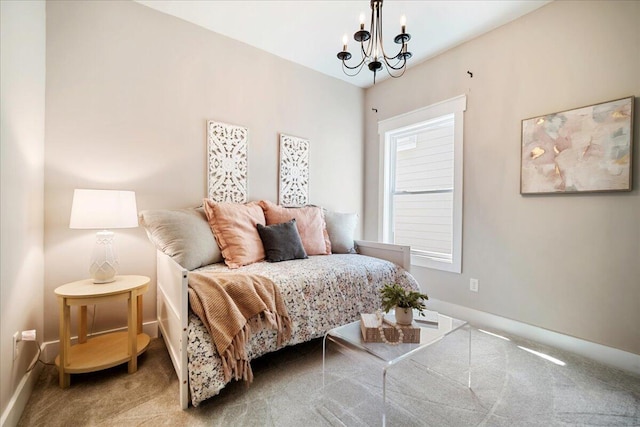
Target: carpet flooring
[510, 386]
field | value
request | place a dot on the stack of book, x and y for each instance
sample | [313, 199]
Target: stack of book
[427, 317]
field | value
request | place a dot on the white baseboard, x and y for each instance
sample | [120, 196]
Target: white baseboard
[14, 409]
[52, 348]
[13, 412]
[608, 355]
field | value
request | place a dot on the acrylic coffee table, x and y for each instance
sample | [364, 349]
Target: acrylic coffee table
[350, 336]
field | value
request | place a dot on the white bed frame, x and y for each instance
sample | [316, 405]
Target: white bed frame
[173, 303]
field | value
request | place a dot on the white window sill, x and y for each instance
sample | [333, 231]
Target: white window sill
[436, 264]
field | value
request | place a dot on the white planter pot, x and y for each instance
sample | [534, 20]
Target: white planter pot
[404, 316]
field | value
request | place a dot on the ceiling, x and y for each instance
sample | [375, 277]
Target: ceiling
[310, 32]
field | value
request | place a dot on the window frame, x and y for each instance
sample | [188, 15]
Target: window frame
[401, 124]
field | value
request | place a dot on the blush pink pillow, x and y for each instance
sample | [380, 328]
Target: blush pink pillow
[235, 227]
[310, 222]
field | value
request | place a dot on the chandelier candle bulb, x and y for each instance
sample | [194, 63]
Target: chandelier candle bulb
[362, 21]
[403, 24]
[344, 43]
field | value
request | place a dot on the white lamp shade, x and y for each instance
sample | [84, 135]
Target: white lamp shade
[103, 209]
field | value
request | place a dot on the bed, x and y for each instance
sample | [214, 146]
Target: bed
[319, 292]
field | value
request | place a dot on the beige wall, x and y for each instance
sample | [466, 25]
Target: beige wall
[568, 263]
[21, 192]
[128, 92]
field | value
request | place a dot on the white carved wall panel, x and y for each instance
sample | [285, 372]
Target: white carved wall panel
[227, 162]
[293, 185]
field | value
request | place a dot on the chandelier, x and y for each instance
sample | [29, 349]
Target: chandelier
[372, 48]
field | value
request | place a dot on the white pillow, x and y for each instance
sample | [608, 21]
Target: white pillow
[341, 228]
[183, 234]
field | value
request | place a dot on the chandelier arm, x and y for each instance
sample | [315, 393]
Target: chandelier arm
[365, 52]
[359, 67]
[396, 76]
[401, 64]
[384, 53]
[380, 44]
[380, 37]
[372, 30]
[344, 64]
[397, 66]
[392, 57]
[389, 58]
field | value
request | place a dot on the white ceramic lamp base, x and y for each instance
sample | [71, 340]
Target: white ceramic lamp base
[104, 261]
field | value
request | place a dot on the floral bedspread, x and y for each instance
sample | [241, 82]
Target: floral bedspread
[320, 293]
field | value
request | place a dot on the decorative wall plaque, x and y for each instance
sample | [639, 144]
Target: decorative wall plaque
[227, 162]
[293, 186]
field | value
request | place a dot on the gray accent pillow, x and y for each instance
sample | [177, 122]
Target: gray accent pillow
[281, 241]
[341, 228]
[183, 234]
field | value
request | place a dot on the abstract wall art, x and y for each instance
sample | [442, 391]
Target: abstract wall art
[227, 162]
[586, 149]
[293, 185]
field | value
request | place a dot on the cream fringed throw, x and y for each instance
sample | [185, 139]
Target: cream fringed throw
[232, 306]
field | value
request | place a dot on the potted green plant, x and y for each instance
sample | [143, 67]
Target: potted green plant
[404, 302]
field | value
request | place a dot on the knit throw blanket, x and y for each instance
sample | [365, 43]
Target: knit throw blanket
[232, 306]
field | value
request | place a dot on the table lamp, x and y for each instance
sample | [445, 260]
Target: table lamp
[103, 210]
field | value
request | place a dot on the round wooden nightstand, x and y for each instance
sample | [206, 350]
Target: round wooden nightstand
[107, 350]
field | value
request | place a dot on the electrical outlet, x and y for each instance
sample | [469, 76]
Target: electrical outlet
[29, 335]
[473, 285]
[16, 340]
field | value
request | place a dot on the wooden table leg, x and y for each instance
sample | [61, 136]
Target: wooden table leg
[140, 314]
[82, 324]
[65, 346]
[132, 326]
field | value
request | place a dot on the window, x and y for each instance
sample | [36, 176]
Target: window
[421, 186]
